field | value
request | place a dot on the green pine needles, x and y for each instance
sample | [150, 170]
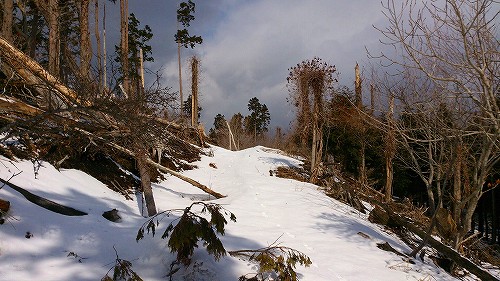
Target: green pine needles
[203, 222]
[275, 261]
[192, 226]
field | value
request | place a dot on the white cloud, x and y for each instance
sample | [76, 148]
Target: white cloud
[252, 44]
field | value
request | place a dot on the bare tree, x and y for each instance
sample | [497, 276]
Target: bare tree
[194, 90]
[360, 126]
[453, 44]
[390, 150]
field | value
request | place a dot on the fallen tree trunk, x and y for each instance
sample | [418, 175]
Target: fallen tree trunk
[13, 105]
[440, 247]
[159, 167]
[33, 73]
[45, 203]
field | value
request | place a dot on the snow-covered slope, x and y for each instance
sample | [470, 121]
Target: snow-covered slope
[267, 208]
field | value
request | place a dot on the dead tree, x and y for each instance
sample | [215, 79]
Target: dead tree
[390, 150]
[124, 45]
[310, 81]
[360, 126]
[194, 90]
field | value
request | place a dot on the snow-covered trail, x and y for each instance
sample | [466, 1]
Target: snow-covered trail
[268, 210]
[298, 215]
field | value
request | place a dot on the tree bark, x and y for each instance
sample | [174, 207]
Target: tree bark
[124, 45]
[194, 91]
[180, 76]
[45, 203]
[35, 29]
[98, 45]
[85, 46]
[7, 20]
[54, 42]
[142, 165]
[357, 87]
[390, 150]
[104, 52]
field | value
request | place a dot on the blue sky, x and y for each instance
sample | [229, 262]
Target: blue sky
[249, 46]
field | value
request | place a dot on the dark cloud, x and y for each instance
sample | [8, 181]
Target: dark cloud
[249, 46]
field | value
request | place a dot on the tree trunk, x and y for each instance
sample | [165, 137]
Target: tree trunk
[54, 42]
[104, 58]
[142, 165]
[35, 29]
[98, 45]
[194, 91]
[317, 128]
[180, 76]
[363, 176]
[124, 45]
[459, 210]
[480, 219]
[85, 47]
[494, 220]
[357, 87]
[390, 150]
[7, 20]
[372, 99]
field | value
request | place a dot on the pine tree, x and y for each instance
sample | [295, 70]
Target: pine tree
[137, 39]
[187, 107]
[258, 121]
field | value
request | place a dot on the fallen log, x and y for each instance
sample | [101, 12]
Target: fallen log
[440, 247]
[158, 166]
[45, 203]
[33, 73]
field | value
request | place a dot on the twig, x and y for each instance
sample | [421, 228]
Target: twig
[7, 181]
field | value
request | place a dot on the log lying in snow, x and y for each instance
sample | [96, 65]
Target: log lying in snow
[160, 167]
[440, 247]
[45, 203]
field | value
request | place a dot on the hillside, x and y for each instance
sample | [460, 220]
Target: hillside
[340, 241]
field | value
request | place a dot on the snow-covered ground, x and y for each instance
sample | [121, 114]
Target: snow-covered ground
[267, 208]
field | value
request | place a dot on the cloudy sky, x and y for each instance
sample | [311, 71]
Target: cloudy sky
[250, 45]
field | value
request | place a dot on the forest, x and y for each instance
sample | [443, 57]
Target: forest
[419, 134]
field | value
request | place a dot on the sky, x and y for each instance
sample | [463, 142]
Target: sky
[248, 47]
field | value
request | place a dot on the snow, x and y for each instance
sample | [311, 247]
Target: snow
[268, 209]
